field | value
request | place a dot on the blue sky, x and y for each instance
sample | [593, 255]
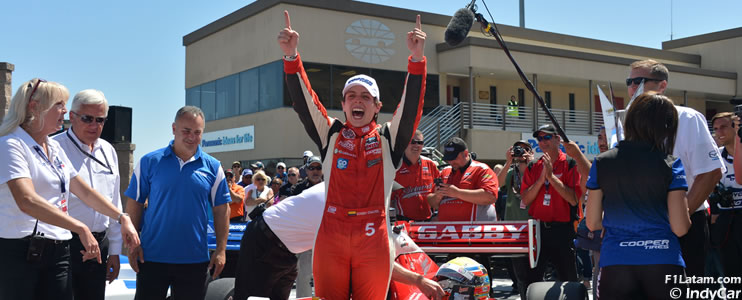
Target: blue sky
[133, 52]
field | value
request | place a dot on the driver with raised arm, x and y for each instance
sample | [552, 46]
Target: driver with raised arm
[360, 158]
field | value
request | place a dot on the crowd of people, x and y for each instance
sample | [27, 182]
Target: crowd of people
[662, 202]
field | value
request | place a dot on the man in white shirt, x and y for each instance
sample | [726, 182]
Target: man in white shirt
[267, 266]
[96, 162]
[700, 156]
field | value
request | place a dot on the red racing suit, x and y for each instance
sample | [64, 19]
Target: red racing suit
[417, 180]
[358, 166]
[474, 175]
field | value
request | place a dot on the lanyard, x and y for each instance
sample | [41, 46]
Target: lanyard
[106, 165]
[59, 175]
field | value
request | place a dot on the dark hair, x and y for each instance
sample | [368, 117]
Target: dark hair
[653, 119]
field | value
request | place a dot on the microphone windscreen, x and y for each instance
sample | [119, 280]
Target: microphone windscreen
[459, 26]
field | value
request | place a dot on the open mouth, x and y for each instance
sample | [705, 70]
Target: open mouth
[358, 113]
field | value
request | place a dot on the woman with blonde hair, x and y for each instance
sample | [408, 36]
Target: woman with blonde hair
[36, 179]
[637, 193]
[260, 194]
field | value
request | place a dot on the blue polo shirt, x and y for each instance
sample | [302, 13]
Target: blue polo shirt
[175, 222]
[635, 180]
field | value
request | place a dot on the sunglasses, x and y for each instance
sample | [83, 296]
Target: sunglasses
[638, 80]
[36, 86]
[310, 168]
[89, 119]
[417, 142]
[260, 179]
[544, 137]
[292, 174]
[279, 167]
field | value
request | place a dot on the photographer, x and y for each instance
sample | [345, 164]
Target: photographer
[518, 157]
[726, 202]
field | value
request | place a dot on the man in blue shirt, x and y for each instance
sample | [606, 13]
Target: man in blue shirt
[179, 183]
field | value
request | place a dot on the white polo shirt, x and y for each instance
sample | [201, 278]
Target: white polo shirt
[295, 220]
[695, 147]
[22, 157]
[101, 175]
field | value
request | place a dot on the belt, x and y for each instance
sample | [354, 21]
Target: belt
[263, 227]
[48, 241]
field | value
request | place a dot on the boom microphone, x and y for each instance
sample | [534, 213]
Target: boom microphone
[459, 26]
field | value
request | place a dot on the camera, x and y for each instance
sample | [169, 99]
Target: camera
[518, 151]
[438, 181]
[737, 102]
[721, 195]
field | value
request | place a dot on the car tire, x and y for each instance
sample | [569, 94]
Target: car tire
[549, 290]
[220, 289]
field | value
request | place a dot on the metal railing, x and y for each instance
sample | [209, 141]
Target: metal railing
[445, 122]
[433, 115]
[442, 127]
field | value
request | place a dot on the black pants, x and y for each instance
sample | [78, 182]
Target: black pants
[557, 247]
[265, 268]
[729, 225]
[188, 281]
[41, 280]
[88, 278]
[640, 282]
[695, 243]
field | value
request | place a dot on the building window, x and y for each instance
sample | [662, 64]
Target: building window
[391, 85]
[263, 88]
[271, 86]
[320, 77]
[571, 107]
[208, 100]
[547, 95]
[249, 87]
[193, 96]
[227, 96]
[432, 98]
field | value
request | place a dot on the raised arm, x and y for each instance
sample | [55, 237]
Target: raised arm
[407, 115]
[307, 105]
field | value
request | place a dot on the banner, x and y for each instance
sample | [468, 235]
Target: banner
[234, 139]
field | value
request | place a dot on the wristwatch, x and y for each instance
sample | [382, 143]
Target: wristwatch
[121, 215]
[290, 57]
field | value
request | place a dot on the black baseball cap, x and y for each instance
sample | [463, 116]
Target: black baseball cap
[452, 148]
[523, 143]
[548, 128]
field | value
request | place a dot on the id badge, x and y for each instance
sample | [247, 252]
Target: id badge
[63, 203]
[547, 199]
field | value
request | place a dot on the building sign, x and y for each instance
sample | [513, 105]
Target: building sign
[234, 139]
[588, 144]
[370, 41]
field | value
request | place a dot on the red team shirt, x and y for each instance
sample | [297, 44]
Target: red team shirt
[417, 181]
[556, 209]
[475, 175]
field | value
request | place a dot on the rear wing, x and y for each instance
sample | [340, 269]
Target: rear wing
[503, 237]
